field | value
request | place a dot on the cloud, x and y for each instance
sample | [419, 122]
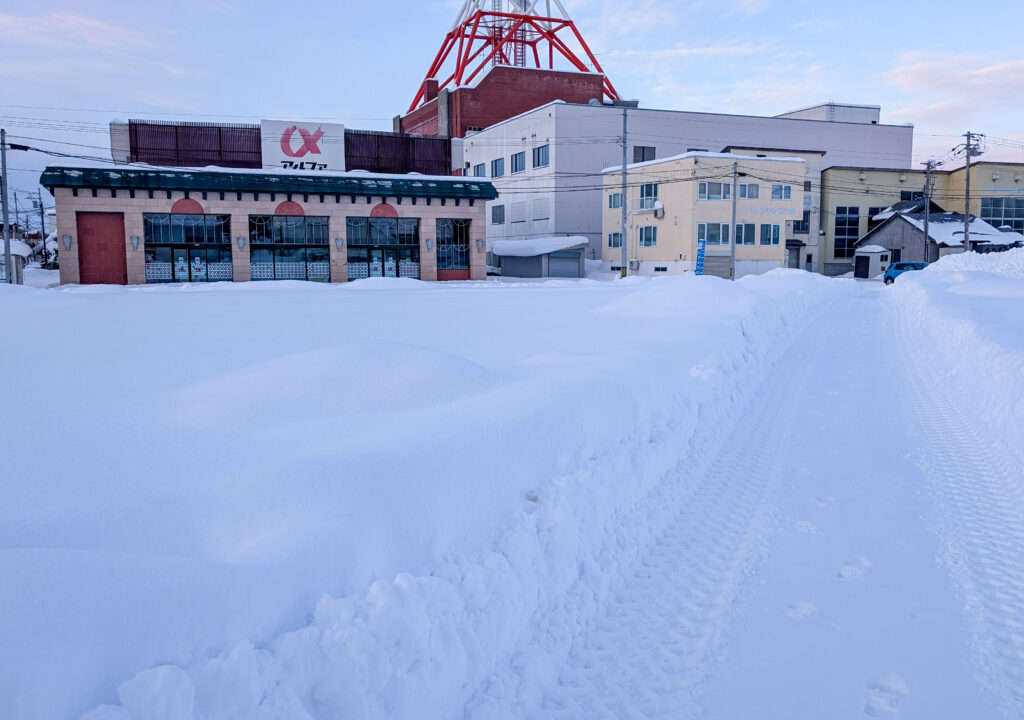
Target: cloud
[944, 96]
[59, 29]
[819, 26]
[739, 50]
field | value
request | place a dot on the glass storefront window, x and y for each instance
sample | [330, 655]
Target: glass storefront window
[452, 244]
[289, 247]
[187, 247]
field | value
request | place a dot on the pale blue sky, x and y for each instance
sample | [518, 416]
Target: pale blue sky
[361, 62]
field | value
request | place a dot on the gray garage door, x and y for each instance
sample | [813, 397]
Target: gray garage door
[717, 265]
[564, 264]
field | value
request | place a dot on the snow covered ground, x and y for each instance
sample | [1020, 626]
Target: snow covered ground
[785, 497]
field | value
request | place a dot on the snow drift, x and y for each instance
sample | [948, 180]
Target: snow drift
[288, 500]
[963, 314]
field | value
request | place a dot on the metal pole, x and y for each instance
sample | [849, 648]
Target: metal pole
[42, 227]
[8, 265]
[927, 206]
[732, 243]
[967, 195]
[625, 145]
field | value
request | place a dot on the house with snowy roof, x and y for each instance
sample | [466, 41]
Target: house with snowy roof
[902, 234]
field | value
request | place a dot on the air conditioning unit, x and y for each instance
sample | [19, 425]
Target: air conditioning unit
[659, 212]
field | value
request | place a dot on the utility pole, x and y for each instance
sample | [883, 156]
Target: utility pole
[928, 167]
[8, 265]
[969, 150]
[732, 244]
[42, 228]
[625, 146]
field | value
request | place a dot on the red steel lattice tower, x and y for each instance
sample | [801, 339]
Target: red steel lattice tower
[516, 33]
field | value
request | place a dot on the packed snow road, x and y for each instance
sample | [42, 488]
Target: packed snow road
[796, 576]
[787, 497]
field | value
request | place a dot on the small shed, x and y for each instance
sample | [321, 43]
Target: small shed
[20, 252]
[561, 257]
[870, 261]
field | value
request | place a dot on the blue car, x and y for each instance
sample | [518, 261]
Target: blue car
[897, 269]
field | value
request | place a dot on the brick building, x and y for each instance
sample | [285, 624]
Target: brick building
[136, 225]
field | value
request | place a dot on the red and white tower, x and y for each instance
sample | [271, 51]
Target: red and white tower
[513, 33]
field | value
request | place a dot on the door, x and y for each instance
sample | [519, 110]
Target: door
[391, 263]
[376, 263]
[197, 263]
[180, 264]
[862, 266]
[564, 264]
[794, 258]
[102, 255]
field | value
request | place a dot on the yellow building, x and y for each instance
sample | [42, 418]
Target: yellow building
[851, 197]
[675, 204]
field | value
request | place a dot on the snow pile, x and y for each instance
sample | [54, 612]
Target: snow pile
[963, 315]
[531, 247]
[286, 500]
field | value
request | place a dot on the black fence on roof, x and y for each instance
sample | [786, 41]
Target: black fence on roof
[194, 144]
[199, 144]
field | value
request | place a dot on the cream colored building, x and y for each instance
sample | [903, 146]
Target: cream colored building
[852, 196]
[675, 204]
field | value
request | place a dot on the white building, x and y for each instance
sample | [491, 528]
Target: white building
[547, 163]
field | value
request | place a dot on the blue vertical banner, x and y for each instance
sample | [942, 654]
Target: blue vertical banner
[702, 244]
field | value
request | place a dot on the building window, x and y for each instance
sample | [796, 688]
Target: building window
[383, 247]
[803, 227]
[714, 191]
[289, 247]
[518, 210]
[770, 234]
[872, 211]
[649, 236]
[749, 191]
[648, 195]
[518, 162]
[615, 240]
[847, 230]
[541, 156]
[497, 215]
[782, 192]
[614, 201]
[541, 209]
[642, 153]
[745, 234]
[480, 170]
[909, 195]
[807, 185]
[498, 168]
[187, 248]
[1000, 212]
[452, 244]
[713, 233]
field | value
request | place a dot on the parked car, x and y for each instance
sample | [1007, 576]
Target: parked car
[897, 269]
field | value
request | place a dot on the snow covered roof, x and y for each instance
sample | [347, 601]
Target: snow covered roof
[948, 228]
[872, 249]
[702, 154]
[536, 246]
[17, 248]
[84, 173]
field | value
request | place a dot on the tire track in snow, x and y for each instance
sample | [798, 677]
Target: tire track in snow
[646, 656]
[978, 489]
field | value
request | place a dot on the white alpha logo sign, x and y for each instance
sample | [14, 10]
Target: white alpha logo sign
[302, 145]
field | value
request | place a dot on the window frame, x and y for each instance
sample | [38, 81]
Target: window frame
[647, 236]
[542, 156]
[782, 191]
[517, 160]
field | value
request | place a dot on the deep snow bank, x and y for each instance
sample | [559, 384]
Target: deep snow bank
[963, 316]
[447, 468]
